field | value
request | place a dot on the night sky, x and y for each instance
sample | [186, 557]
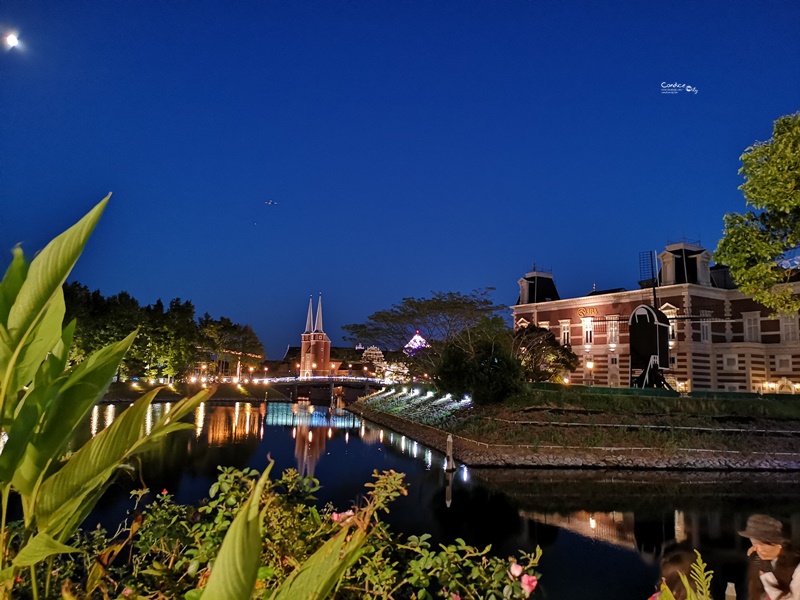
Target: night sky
[410, 146]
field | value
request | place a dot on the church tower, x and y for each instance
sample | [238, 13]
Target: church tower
[315, 346]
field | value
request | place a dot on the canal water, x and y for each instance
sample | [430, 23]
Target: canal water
[602, 533]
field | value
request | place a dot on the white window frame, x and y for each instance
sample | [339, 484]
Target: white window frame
[565, 332]
[787, 360]
[705, 326]
[612, 329]
[670, 312]
[751, 326]
[544, 325]
[730, 362]
[789, 330]
[588, 330]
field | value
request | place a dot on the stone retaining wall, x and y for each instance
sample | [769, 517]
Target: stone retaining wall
[478, 454]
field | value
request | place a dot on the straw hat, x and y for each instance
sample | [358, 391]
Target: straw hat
[764, 529]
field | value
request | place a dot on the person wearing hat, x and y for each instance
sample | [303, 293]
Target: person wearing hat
[774, 565]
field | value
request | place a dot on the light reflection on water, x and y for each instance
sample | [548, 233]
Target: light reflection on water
[612, 530]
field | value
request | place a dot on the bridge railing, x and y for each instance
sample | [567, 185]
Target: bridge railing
[327, 379]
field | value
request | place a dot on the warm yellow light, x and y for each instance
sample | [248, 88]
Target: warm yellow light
[313, 365]
[590, 364]
[566, 380]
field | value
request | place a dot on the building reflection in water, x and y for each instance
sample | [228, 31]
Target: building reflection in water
[614, 528]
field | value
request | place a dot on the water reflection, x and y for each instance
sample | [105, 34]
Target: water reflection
[601, 524]
[615, 528]
[220, 425]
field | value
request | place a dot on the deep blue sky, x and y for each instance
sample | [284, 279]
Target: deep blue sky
[411, 146]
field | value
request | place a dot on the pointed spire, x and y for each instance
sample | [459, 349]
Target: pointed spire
[309, 318]
[318, 325]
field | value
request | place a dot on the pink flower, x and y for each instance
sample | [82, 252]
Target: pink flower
[515, 570]
[127, 592]
[341, 517]
[529, 583]
[164, 492]
[455, 596]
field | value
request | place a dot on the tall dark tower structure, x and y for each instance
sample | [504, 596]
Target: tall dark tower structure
[315, 346]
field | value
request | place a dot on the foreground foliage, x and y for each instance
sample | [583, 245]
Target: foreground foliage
[43, 399]
[756, 241]
[696, 584]
[171, 550]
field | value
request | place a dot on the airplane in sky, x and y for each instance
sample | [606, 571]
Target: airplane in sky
[270, 202]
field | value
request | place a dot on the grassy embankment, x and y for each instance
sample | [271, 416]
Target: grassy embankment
[587, 417]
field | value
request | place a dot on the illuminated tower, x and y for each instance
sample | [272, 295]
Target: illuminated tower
[315, 347]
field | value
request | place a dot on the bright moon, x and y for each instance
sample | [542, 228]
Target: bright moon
[12, 40]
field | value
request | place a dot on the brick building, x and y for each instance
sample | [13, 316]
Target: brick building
[719, 338]
[315, 346]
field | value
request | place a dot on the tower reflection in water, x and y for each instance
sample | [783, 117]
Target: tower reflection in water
[624, 513]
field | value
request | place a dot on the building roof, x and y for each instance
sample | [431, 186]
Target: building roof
[608, 291]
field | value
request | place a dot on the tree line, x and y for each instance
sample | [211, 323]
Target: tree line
[471, 348]
[171, 340]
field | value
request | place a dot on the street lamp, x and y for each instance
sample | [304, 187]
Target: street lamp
[590, 366]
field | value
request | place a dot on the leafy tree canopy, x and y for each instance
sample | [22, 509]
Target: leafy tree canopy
[170, 340]
[481, 362]
[754, 242]
[541, 356]
[439, 319]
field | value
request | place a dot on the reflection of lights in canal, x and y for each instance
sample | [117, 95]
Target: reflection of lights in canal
[110, 414]
[199, 418]
[95, 418]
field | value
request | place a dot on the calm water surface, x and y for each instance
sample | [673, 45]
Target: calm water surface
[602, 533]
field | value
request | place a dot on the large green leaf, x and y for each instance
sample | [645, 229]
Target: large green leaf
[62, 405]
[46, 387]
[39, 548]
[235, 569]
[73, 490]
[38, 345]
[9, 288]
[46, 274]
[318, 576]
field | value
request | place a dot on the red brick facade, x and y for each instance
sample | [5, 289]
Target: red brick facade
[720, 339]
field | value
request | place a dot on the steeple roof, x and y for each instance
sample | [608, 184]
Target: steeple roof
[318, 324]
[309, 318]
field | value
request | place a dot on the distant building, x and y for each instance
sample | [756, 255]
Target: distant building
[315, 346]
[719, 338]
